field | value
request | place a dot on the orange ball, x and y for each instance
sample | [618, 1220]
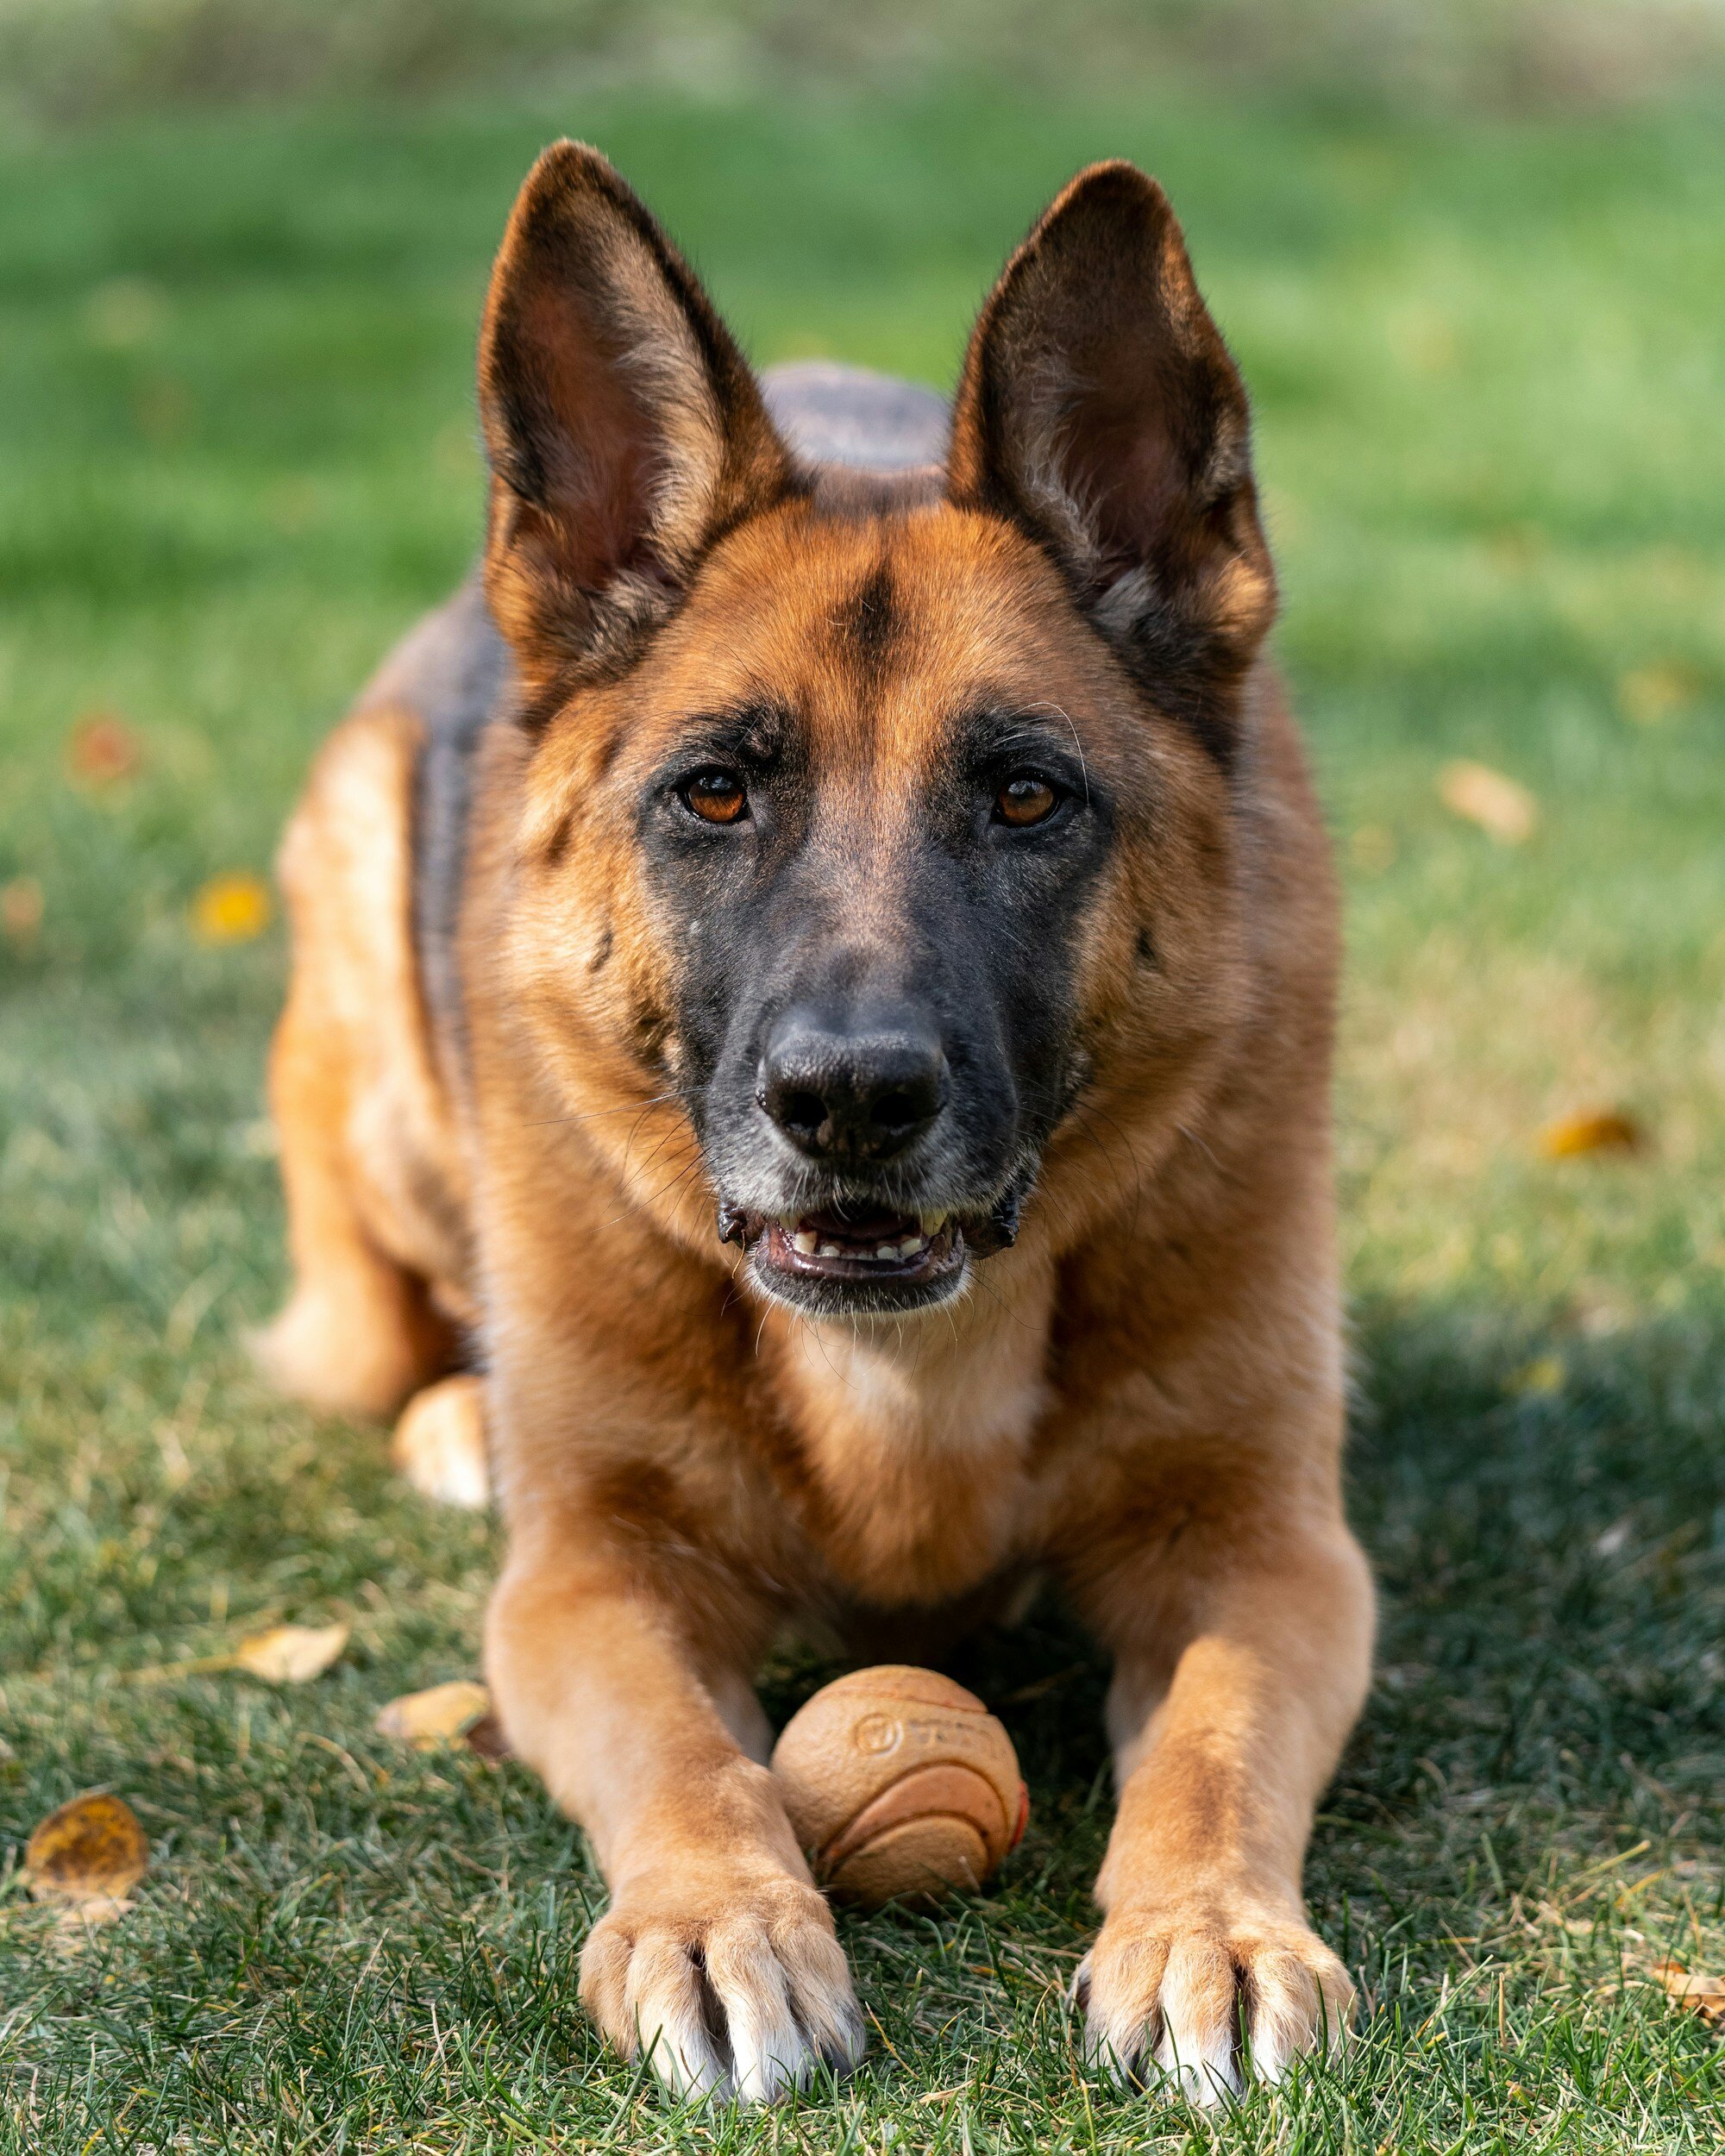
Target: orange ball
[900, 1786]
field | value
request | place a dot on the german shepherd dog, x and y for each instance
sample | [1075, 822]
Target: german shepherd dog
[812, 985]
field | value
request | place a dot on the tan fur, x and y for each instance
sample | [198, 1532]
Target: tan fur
[1142, 1399]
[369, 1156]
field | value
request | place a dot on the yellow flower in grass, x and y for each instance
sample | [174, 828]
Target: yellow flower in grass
[231, 910]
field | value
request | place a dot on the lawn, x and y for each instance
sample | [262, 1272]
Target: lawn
[237, 457]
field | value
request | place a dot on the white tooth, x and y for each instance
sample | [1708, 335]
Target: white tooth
[931, 1222]
[831, 1250]
[804, 1241]
[913, 1245]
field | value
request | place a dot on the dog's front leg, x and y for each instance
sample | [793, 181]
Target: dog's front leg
[1242, 1655]
[717, 1954]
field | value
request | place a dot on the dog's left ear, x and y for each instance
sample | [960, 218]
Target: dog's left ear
[623, 428]
[1100, 409]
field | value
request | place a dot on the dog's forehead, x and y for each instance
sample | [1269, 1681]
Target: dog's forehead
[874, 631]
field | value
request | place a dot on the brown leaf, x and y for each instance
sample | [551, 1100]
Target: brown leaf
[88, 1856]
[1592, 1131]
[100, 749]
[289, 1654]
[1704, 1996]
[443, 1715]
[1501, 806]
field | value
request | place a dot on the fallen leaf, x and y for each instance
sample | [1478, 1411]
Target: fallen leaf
[1704, 1996]
[86, 1857]
[1649, 694]
[231, 910]
[1501, 806]
[1591, 1131]
[21, 910]
[100, 749]
[289, 1654]
[441, 1715]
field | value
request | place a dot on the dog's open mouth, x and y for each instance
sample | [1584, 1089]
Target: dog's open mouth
[855, 1255]
[846, 1243]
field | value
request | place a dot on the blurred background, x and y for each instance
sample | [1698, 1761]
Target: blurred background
[1471, 256]
[81, 59]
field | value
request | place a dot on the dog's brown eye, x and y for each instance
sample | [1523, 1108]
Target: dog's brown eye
[716, 797]
[1025, 799]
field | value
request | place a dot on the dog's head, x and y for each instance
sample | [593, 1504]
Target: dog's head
[873, 832]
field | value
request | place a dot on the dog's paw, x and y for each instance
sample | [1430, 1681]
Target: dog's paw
[439, 1443]
[1196, 2000]
[736, 1987]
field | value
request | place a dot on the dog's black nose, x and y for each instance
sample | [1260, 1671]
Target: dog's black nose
[862, 1094]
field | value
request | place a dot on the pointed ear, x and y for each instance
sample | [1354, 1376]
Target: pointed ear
[1099, 408]
[623, 428]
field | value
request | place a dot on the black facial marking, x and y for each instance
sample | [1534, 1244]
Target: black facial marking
[876, 1016]
[868, 624]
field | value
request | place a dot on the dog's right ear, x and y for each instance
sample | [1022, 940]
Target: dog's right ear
[623, 428]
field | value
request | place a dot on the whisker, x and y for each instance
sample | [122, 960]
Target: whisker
[595, 1115]
[1083, 767]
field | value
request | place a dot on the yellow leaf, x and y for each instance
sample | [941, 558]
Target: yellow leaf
[1704, 1996]
[289, 1654]
[87, 1857]
[1501, 806]
[231, 910]
[440, 1716]
[1591, 1131]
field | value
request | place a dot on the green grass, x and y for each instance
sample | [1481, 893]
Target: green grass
[237, 457]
